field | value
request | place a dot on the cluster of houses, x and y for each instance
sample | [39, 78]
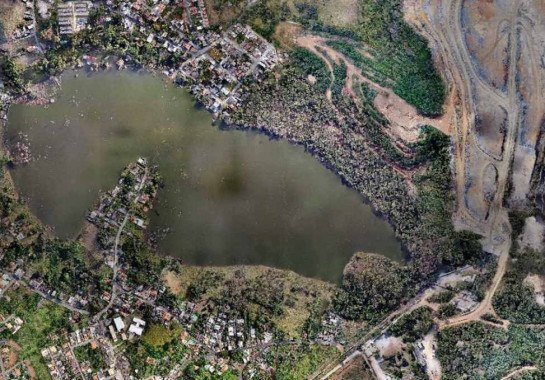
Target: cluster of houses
[227, 334]
[61, 362]
[330, 329]
[196, 14]
[72, 16]
[216, 73]
[130, 199]
[27, 28]
[212, 64]
[12, 323]
[77, 301]
[62, 358]
[13, 369]
[15, 230]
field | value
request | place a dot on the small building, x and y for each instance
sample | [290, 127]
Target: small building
[137, 327]
[119, 324]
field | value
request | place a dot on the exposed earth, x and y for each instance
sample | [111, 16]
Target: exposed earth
[490, 52]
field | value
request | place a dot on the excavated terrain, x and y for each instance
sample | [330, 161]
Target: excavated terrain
[492, 53]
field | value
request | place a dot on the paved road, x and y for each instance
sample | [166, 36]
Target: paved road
[58, 302]
[97, 316]
[48, 297]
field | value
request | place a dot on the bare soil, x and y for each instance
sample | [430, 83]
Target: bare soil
[286, 34]
[533, 235]
[537, 282]
[356, 370]
[11, 15]
[404, 119]
[489, 51]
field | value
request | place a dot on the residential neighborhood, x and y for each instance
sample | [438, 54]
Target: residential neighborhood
[73, 16]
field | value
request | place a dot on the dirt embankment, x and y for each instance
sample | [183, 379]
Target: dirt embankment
[489, 51]
[404, 119]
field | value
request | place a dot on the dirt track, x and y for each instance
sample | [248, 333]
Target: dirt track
[488, 50]
[404, 119]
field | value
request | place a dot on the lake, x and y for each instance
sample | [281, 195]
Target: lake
[230, 197]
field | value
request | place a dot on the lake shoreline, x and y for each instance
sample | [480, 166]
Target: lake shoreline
[171, 96]
[221, 125]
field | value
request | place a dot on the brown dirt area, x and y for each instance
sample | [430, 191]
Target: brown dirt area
[31, 370]
[11, 15]
[404, 118]
[88, 237]
[533, 235]
[356, 370]
[537, 282]
[339, 13]
[286, 34]
[222, 14]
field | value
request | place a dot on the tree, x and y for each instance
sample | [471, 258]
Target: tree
[373, 285]
[12, 74]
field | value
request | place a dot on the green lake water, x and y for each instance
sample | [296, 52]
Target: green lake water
[230, 197]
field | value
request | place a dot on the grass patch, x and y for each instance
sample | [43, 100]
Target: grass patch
[93, 356]
[39, 323]
[294, 363]
[479, 351]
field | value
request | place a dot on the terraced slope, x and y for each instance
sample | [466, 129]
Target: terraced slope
[492, 52]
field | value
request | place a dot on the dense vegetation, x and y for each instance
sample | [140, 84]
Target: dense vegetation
[372, 286]
[515, 300]
[298, 363]
[145, 266]
[413, 325]
[158, 351]
[442, 297]
[12, 74]
[295, 109]
[93, 356]
[310, 64]
[468, 350]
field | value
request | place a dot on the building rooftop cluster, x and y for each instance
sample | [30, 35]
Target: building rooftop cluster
[27, 28]
[15, 230]
[72, 16]
[213, 64]
[330, 330]
[61, 362]
[216, 73]
[134, 192]
[12, 323]
[77, 301]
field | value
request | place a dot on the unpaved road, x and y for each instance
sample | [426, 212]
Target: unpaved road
[404, 119]
[489, 51]
[519, 371]
[489, 114]
[486, 304]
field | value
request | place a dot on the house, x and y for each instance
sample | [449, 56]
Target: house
[137, 327]
[119, 324]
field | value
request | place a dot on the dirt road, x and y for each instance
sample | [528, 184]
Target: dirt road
[404, 118]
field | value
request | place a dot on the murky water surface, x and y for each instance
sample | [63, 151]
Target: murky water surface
[230, 197]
